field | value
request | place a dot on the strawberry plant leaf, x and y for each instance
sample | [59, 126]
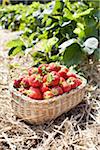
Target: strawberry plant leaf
[72, 55]
[15, 43]
[97, 54]
[58, 7]
[14, 51]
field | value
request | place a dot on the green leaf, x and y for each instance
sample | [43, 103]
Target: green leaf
[54, 58]
[68, 14]
[14, 51]
[79, 32]
[15, 43]
[97, 54]
[50, 42]
[48, 22]
[58, 7]
[72, 55]
[68, 4]
[86, 12]
[90, 27]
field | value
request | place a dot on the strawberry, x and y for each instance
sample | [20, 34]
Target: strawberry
[42, 69]
[25, 82]
[35, 93]
[74, 82]
[61, 80]
[52, 78]
[45, 78]
[47, 95]
[78, 81]
[44, 88]
[32, 70]
[66, 87]
[57, 90]
[63, 72]
[70, 74]
[35, 80]
[17, 83]
[54, 67]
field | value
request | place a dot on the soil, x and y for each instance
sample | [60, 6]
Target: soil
[78, 129]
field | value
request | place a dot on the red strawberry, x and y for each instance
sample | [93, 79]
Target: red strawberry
[52, 78]
[34, 93]
[63, 72]
[74, 82]
[57, 90]
[35, 80]
[70, 74]
[32, 70]
[78, 81]
[66, 87]
[17, 83]
[25, 82]
[47, 95]
[45, 78]
[44, 88]
[42, 69]
[54, 67]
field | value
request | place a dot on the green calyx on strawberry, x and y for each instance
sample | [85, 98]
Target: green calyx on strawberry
[52, 78]
[47, 95]
[35, 80]
[42, 69]
[57, 90]
[54, 67]
[34, 93]
[61, 80]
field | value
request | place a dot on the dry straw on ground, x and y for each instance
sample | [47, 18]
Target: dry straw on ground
[79, 129]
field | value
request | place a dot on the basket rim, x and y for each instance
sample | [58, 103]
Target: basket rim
[26, 98]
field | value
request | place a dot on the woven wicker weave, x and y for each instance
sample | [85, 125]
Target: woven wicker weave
[40, 111]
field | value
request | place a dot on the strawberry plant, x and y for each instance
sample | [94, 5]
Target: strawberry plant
[67, 30]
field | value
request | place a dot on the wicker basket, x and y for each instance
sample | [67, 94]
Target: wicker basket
[40, 111]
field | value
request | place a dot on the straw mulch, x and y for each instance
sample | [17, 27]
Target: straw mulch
[79, 129]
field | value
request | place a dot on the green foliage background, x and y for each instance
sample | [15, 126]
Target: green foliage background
[62, 26]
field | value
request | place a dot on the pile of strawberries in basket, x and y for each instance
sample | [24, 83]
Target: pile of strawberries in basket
[47, 81]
